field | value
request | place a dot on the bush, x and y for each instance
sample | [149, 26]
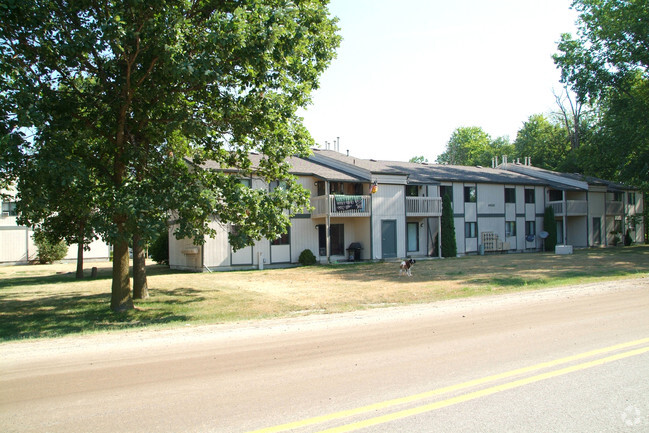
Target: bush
[449, 245]
[48, 251]
[307, 258]
[550, 226]
[159, 249]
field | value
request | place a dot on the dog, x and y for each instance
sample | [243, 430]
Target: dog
[405, 266]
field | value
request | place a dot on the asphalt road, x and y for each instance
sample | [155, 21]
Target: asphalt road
[569, 359]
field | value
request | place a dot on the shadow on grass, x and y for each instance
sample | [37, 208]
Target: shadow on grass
[74, 313]
[68, 277]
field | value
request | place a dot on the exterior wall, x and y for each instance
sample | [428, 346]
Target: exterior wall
[17, 245]
[303, 236]
[388, 203]
[596, 209]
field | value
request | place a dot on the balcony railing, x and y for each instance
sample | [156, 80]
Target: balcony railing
[423, 206]
[614, 208]
[574, 207]
[342, 206]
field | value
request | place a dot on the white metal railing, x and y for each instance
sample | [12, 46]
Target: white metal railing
[614, 208]
[423, 206]
[342, 205]
[574, 207]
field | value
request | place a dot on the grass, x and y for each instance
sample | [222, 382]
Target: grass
[47, 301]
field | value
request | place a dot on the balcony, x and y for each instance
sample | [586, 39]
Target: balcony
[423, 206]
[342, 206]
[614, 208]
[574, 207]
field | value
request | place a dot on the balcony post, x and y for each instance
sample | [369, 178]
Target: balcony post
[328, 221]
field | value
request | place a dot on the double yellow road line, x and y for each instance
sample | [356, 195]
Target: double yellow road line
[469, 396]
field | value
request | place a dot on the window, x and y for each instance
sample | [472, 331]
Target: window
[510, 195]
[282, 240]
[529, 196]
[555, 195]
[246, 182]
[412, 191]
[618, 196]
[530, 228]
[336, 188]
[9, 208]
[413, 237]
[510, 228]
[446, 190]
[470, 195]
[631, 198]
[277, 185]
[337, 234]
[320, 185]
[470, 230]
[617, 226]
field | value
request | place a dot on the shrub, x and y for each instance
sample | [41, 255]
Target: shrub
[550, 226]
[159, 249]
[48, 251]
[449, 245]
[307, 258]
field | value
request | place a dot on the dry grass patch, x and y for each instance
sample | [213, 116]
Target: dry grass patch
[46, 300]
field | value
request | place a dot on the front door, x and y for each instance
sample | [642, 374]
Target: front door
[597, 231]
[389, 238]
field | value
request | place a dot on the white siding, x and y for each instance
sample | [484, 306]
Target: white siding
[388, 203]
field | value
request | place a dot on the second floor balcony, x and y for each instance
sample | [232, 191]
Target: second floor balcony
[423, 206]
[614, 208]
[342, 206]
[573, 208]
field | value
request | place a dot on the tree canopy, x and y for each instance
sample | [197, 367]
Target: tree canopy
[473, 146]
[150, 91]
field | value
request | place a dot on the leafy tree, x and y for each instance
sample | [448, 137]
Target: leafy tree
[612, 42]
[473, 146]
[545, 142]
[449, 243]
[418, 159]
[159, 88]
[550, 226]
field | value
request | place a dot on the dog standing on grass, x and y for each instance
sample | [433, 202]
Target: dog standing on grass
[405, 266]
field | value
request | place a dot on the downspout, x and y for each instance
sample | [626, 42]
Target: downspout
[565, 217]
[328, 222]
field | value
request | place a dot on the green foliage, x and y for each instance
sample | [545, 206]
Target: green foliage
[612, 42]
[159, 248]
[418, 159]
[143, 104]
[550, 226]
[449, 243]
[49, 251]
[473, 146]
[307, 258]
[544, 141]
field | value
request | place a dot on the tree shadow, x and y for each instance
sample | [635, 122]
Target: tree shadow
[74, 313]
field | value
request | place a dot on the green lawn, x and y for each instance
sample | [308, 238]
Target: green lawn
[46, 301]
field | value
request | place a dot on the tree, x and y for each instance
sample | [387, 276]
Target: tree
[473, 146]
[49, 251]
[159, 88]
[550, 226]
[612, 42]
[449, 244]
[545, 142]
[418, 159]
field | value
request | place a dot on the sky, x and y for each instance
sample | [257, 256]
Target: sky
[410, 72]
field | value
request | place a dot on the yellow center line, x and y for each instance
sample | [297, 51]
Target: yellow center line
[482, 393]
[453, 388]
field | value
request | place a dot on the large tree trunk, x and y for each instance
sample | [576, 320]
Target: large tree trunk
[79, 274]
[140, 287]
[121, 290]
